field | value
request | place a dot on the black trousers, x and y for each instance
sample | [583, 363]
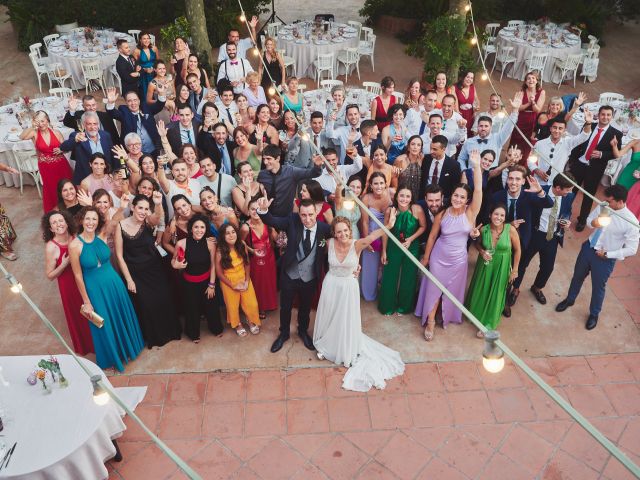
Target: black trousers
[288, 290]
[547, 250]
[589, 177]
[195, 303]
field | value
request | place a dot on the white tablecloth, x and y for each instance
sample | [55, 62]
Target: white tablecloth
[523, 49]
[80, 51]
[304, 54]
[63, 435]
[10, 130]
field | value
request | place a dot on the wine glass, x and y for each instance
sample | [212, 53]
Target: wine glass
[260, 252]
[563, 221]
[490, 251]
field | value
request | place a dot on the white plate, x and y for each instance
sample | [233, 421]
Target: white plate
[13, 137]
[350, 35]
[338, 40]
[302, 41]
[350, 30]
[321, 42]
[56, 43]
[71, 54]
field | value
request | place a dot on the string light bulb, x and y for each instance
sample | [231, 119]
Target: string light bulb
[604, 219]
[348, 203]
[492, 355]
[100, 395]
[16, 287]
[474, 40]
[467, 7]
[484, 77]
[256, 52]
[533, 158]
[271, 91]
[243, 18]
[501, 114]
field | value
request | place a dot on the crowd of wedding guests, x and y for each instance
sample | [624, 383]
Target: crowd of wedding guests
[181, 202]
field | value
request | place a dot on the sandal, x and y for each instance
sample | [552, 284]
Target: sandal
[429, 330]
[254, 329]
[262, 315]
[241, 331]
[11, 256]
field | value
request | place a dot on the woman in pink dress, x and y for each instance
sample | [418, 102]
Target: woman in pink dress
[532, 104]
[58, 229]
[446, 253]
[53, 165]
[465, 92]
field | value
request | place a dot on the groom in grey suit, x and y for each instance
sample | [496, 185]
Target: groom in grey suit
[304, 147]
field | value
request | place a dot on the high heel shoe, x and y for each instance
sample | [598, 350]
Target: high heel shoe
[429, 331]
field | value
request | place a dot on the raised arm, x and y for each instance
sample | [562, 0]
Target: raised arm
[390, 217]
[476, 199]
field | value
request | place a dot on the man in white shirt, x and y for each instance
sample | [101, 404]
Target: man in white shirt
[452, 121]
[341, 134]
[242, 45]
[496, 113]
[553, 152]
[416, 122]
[327, 181]
[615, 237]
[220, 183]
[435, 128]
[181, 183]
[488, 140]
[234, 69]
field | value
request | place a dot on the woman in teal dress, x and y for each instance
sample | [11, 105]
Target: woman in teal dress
[102, 290]
[488, 288]
[399, 277]
[627, 178]
[292, 99]
[145, 54]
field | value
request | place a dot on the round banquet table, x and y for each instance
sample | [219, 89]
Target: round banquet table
[63, 435]
[304, 52]
[10, 130]
[320, 100]
[80, 51]
[558, 50]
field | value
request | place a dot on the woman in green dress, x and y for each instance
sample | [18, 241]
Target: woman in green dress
[399, 277]
[628, 177]
[487, 291]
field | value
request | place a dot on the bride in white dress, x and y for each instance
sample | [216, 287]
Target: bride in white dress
[337, 334]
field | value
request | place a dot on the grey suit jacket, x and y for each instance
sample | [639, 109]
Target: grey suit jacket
[302, 151]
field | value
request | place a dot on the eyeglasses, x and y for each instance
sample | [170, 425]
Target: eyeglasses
[135, 145]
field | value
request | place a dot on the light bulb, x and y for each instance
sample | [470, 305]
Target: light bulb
[304, 136]
[493, 365]
[474, 40]
[533, 158]
[501, 114]
[271, 91]
[16, 287]
[349, 204]
[242, 17]
[604, 219]
[467, 8]
[492, 355]
[483, 77]
[100, 395]
[256, 52]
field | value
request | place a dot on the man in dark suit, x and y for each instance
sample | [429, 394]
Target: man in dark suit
[184, 131]
[365, 145]
[550, 225]
[137, 120]
[128, 70]
[522, 204]
[73, 117]
[431, 204]
[85, 144]
[300, 265]
[215, 143]
[440, 169]
[588, 160]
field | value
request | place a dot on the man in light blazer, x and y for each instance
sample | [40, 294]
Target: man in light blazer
[304, 146]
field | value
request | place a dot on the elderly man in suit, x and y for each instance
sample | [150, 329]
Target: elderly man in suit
[440, 169]
[300, 265]
[85, 144]
[184, 131]
[73, 117]
[138, 120]
[589, 159]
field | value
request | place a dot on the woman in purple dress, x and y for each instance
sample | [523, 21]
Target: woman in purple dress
[446, 253]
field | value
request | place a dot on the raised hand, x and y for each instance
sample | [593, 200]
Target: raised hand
[516, 102]
[112, 95]
[119, 151]
[392, 218]
[84, 198]
[317, 160]
[247, 181]
[80, 137]
[264, 203]
[462, 123]
[514, 155]
[534, 186]
[157, 198]
[588, 116]
[254, 22]
[474, 159]
[475, 232]
[614, 142]
[162, 130]
[582, 97]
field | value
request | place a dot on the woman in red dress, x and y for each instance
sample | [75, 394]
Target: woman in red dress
[58, 229]
[532, 103]
[381, 104]
[53, 165]
[468, 103]
[259, 238]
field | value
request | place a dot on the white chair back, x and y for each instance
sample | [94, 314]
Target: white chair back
[357, 25]
[329, 84]
[608, 97]
[27, 162]
[135, 34]
[66, 28]
[116, 78]
[537, 61]
[302, 87]
[592, 52]
[572, 61]
[272, 29]
[325, 61]
[153, 38]
[61, 92]
[365, 32]
[399, 97]
[91, 70]
[592, 41]
[372, 87]
[515, 23]
[49, 38]
[491, 29]
[35, 48]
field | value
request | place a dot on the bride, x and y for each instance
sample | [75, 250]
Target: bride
[337, 334]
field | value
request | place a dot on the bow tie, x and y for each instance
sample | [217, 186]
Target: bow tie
[483, 140]
[234, 63]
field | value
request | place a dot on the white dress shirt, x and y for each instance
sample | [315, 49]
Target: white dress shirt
[493, 142]
[328, 183]
[242, 46]
[553, 157]
[497, 121]
[432, 168]
[341, 134]
[594, 131]
[458, 135]
[312, 232]
[620, 238]
[222, 112]
[234, 72]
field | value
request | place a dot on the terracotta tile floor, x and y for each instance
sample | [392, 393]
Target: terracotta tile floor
[438, 421]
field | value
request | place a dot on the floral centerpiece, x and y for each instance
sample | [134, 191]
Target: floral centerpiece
[89, 34]
[53, 366]
[633, 110]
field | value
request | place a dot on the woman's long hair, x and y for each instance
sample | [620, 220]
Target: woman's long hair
[225, 249]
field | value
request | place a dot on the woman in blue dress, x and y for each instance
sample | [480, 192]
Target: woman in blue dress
[102, 290]
[145, 54]
[394, 135]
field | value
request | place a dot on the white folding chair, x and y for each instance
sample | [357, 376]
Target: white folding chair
[515, 23]
[49, 38]
[272, 29]
[325, 63]
[568, 65]
[66, 28]
[327, 85]
[116, 78]
[92, 71]
[135, 34]
[288, 61]
[349, 58]
[61, 92]
[27, 162]
[35, 48]
[491, 29]
[590, 63]
[153, 38]
[58, 74]
[302, 87]
[365, 33]
[40, 70]
[504, 57]
[488, 48]
[399, 97]
[608, 97]
[366, 48]
[372, 87]
[536, 61]
[593, 41]
[357, 26]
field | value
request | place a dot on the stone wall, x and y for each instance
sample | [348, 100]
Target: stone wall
[290, 10]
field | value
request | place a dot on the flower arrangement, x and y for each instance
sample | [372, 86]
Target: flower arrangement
[53, 366]
[633, 109]
[89, 34]
[42, 376]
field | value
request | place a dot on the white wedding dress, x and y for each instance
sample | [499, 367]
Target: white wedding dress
[337, 333]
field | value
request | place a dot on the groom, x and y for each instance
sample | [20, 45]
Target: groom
[301, 265]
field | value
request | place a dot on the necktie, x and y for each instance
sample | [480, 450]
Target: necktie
[512, 210]
[234, 63]
[594, 144]
[226, 166]
[138, 122]
[423, 126]
[315, 140]
[306, 245]
[132, 62]
[483, 140]
[189, 137]
[229, 115]
[434, 176]
[595, 237]
[553, 219]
